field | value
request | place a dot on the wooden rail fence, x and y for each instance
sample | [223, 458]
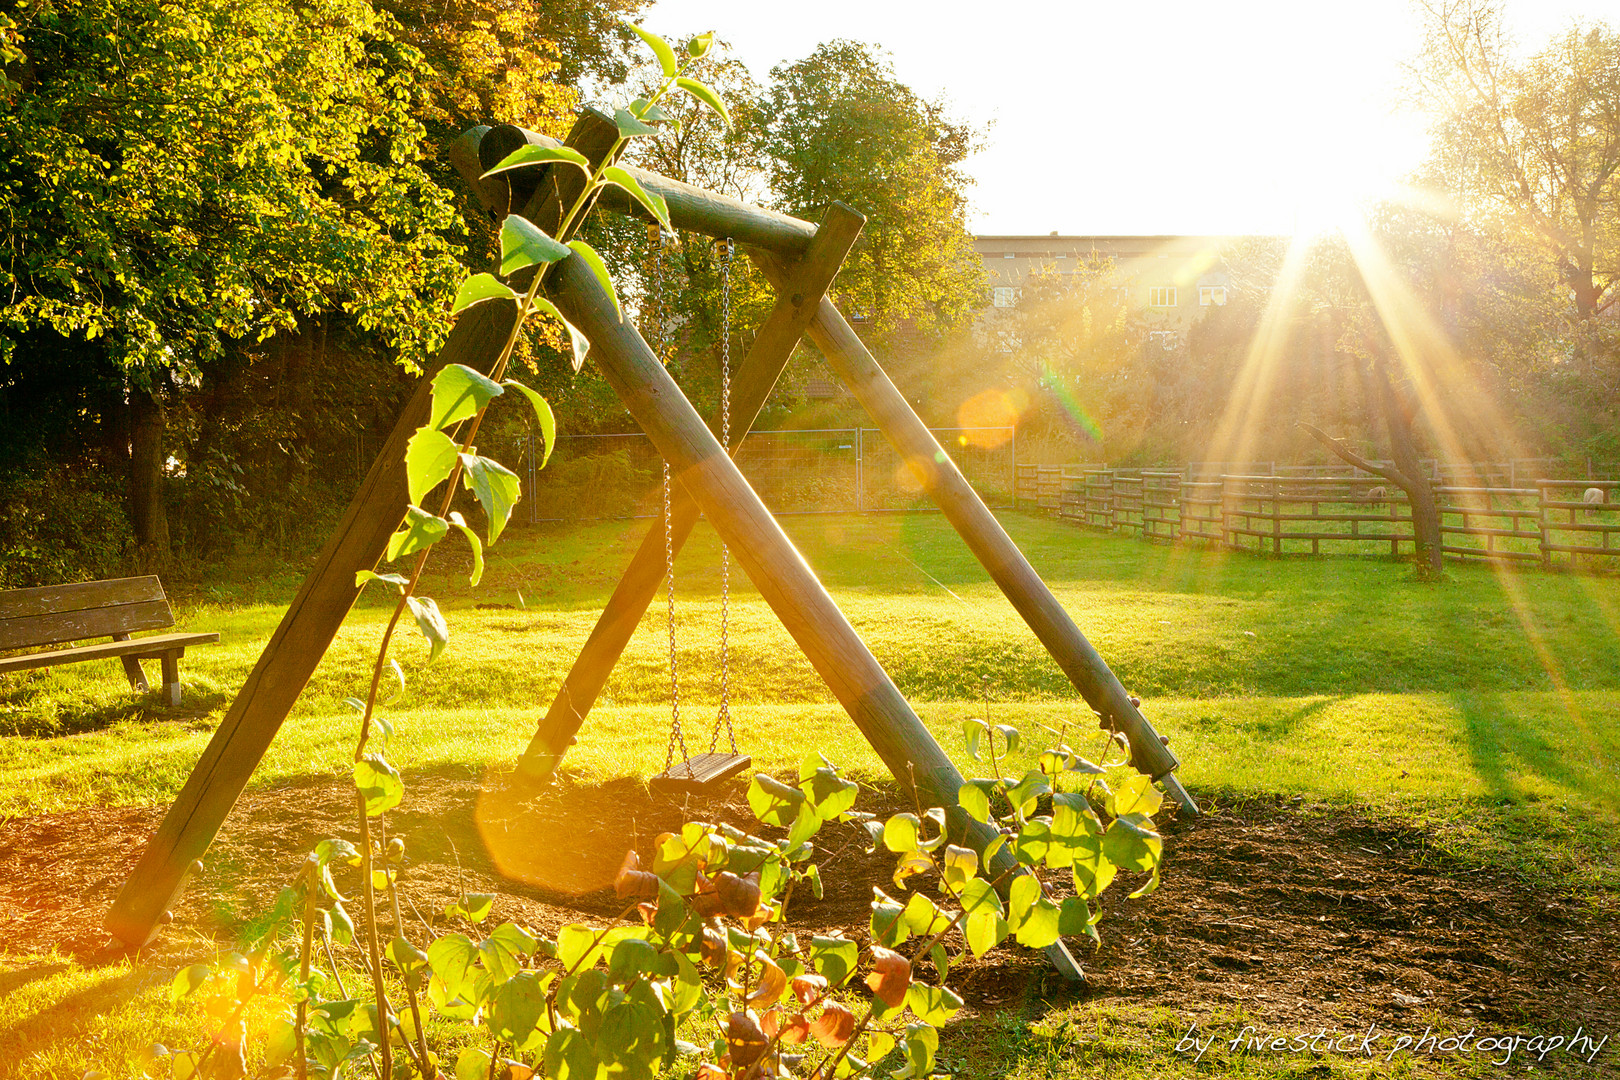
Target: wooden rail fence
[1315, 510]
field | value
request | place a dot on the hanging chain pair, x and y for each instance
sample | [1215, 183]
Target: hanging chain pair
[655, 293]
[723, 716]
[677, 739]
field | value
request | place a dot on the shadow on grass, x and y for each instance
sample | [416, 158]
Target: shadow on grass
[1282, 725]
[16, 980]
[29, 709]
[1503, 740]
[67, 1018]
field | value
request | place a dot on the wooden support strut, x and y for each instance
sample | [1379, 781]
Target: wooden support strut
[989, 542]
[798, 302]
[769, 558]
[308, 627]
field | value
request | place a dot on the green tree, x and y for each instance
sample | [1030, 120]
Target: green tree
[1533, 145]
[839, 125]
[181, 177]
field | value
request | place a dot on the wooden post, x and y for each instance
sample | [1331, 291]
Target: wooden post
[756, 376]
[766, 554]
[302, 638]
[1226, 520]
[988, 541]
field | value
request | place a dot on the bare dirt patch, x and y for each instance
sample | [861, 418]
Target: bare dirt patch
[1301, 916]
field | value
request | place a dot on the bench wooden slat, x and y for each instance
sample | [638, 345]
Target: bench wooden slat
[49, 599]
[148, 647]
[58, 626]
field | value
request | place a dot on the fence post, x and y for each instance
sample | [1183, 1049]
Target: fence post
[1276, 518]
[1541, 522]
[860, 469]
[1015, 466]
[1226, 521]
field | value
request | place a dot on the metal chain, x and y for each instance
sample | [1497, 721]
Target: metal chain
[723, 716]
[676, 738]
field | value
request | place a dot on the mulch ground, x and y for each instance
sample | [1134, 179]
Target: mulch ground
[1302, 916]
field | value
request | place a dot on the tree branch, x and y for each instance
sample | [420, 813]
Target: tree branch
[1393, 475]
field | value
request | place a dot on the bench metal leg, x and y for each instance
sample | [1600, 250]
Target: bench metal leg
[171, 676]
[132, 668]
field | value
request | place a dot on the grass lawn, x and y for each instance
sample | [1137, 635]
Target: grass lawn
[1483, 710]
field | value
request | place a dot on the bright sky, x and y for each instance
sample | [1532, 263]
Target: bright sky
[1216, 116]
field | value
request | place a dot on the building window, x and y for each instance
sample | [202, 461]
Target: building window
[1006, 296]
[1212, 294]
[1167, 339]
[1162, 296]
[1009, 255]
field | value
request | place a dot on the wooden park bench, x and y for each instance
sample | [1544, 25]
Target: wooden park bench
[60, 613]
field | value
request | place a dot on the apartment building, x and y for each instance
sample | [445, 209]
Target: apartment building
[1174, 280]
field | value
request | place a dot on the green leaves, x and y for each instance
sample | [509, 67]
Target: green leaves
[630, 125]
[542, 413]
[974, 798]
[577, 946]
[834, 958]
[599, 268]
[452, 957]
[516, 1007]
[496, 487]
[1135, 795]
[378, 783]
[901, 833]
[459, 392]
[660, 49]
[421, 530]
[477, 289]
[887, 926]
[430, 457]
[972, 732]
[523, 243]
[362, 577]
[655, 204]
[773, 802]
[933, 1004]
[534, 154]
[1131, 843]
[1032, 916]
[472, 539]
[828, 793]
[706, 96]
[960, 865]
[431, 622]
[699, 45]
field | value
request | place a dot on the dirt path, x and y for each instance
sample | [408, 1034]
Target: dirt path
[1300, 916]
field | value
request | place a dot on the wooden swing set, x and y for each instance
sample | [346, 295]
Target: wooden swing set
[799, 260]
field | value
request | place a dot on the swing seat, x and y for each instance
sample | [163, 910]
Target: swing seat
[699, 775]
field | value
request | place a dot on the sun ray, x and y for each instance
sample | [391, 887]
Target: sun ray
[1430, 361]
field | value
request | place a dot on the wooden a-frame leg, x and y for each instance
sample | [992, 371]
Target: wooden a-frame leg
[798, 301]
[132, 669]
[989, 542]
[767, 556]
[313, 619]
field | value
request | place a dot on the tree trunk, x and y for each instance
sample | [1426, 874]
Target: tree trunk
[1398, 419]
[146, 510]
[1407, 473]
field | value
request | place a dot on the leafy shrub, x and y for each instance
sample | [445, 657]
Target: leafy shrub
[60, 524]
